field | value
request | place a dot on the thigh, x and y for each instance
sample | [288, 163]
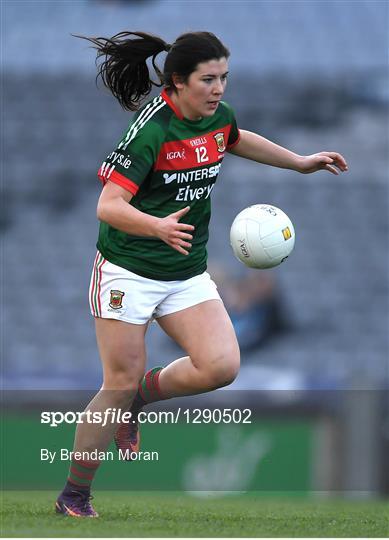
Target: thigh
[204, 331]
[122, 351]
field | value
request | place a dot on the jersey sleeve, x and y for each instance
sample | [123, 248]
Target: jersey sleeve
[234, 135]
[131, 161]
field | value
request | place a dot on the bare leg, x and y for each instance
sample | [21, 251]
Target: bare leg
[122, 352]
[206, 333]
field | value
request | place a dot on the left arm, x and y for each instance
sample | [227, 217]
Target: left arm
[257, 148]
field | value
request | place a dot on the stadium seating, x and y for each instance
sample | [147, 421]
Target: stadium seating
[263, 36]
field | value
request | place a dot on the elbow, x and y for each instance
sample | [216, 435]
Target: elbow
[101, 212]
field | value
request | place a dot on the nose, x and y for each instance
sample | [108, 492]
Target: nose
[218, 87]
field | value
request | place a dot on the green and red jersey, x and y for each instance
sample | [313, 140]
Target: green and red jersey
[167, 162]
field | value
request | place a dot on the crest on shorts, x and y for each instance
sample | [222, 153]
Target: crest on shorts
[219, 138]
[116, 299]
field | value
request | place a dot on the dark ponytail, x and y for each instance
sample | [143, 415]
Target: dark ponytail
[125, 71]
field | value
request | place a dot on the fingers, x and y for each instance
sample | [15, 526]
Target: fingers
[179, 242]
[184, 227]
[331, 169]
[338, 160]
[181, 250]
[177, 235]
[328, 164]
[331, 165]
[186, 236]
[178, 215]
[180, 247]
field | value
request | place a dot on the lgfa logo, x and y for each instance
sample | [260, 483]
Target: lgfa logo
[176, 155]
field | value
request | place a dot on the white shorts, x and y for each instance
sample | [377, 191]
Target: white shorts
[117, 293]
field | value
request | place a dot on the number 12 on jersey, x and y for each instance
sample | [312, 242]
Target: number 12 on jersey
[201, 154]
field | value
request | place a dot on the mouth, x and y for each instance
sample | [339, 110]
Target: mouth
[213, 104]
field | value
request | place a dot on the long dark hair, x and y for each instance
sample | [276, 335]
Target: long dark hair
[126, 73]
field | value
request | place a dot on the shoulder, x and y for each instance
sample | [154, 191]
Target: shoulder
[155, 113]
[149, 124]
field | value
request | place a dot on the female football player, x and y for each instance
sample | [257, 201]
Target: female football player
[154, 210]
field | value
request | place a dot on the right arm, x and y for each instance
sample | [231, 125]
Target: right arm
[113, 208]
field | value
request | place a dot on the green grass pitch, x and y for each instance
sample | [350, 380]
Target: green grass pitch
[128, 514]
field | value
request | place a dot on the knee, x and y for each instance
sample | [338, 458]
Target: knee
[227, 375]
[124, 377]
[223, 369]
[120, 388]
[121, 382]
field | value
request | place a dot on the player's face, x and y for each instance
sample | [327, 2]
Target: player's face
[199, 97]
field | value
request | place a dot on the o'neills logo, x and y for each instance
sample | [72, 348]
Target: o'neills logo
[219, 138]
[116, 299]
[198, 141]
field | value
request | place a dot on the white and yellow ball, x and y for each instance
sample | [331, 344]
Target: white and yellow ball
[262, 236]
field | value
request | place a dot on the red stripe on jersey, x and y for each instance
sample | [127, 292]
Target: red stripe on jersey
[195, 152]
[176, 110]
[229, 146]
[121, 180]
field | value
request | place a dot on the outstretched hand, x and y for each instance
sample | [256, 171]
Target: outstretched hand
[328, 161]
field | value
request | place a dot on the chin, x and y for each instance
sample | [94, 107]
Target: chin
[208, 113]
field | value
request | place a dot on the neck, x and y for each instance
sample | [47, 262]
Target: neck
[181, 106]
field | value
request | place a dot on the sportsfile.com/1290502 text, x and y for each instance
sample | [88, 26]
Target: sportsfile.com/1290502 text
[113, 415]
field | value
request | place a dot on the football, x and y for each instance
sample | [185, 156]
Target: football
[262, 236]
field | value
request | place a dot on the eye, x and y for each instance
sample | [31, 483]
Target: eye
[207, 80]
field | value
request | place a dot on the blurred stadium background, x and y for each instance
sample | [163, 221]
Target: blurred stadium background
[309, 75]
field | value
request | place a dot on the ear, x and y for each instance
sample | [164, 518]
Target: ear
[178, 81]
